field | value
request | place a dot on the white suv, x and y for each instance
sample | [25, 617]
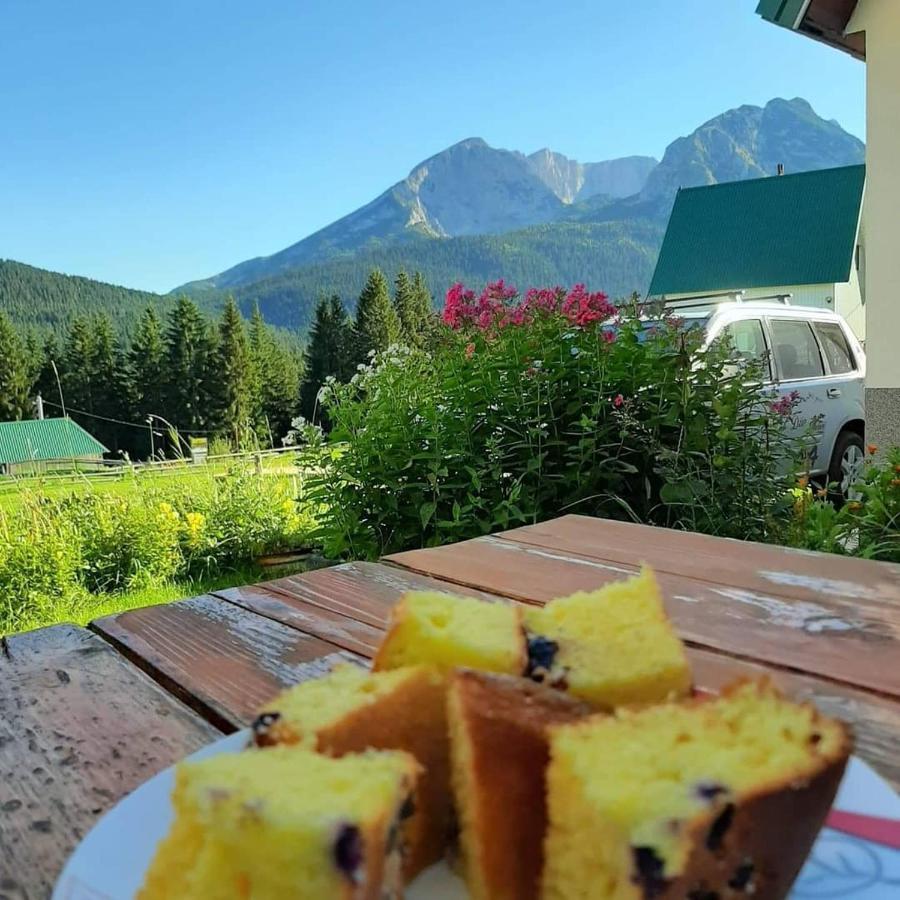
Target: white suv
[804, 349]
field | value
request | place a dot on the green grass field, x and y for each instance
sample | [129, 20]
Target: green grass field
[15, 490]
[96, 607]
[150, 534]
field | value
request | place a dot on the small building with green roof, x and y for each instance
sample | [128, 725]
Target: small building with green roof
[796, 235]
[34, 445]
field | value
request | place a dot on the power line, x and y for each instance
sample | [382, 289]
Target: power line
[142, 426]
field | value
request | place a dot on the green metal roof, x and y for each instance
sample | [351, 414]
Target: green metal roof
[782, 12]
[765, 232]
[42, 439]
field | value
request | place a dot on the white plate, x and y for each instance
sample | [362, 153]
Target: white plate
[110, 862]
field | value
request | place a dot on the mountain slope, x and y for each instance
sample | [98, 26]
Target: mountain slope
[469, 188]
[615, 256]
[750, 142]
[473, 189]
[572, 181]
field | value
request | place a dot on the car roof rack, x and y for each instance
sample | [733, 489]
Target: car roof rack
[724, 297]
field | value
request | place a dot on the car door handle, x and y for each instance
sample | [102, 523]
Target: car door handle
[834, 393]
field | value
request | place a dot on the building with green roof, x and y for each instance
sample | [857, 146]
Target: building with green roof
[43, 444]
[793, 234]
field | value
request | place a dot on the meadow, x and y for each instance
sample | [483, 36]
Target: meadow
[79, 546]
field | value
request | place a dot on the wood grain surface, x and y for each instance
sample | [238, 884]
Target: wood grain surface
[84, 718]
[221, 659]
[347, 605]
[838, 637]
[79, 728]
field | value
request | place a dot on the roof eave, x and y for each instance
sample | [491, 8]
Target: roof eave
[822, 20]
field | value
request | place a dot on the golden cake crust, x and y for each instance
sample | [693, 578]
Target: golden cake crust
[756, 848]
[410, 717]
[500, 780]
[749, 844]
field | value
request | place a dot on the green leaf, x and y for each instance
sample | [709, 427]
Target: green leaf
[426, 511]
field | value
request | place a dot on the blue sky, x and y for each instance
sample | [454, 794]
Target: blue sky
[151, 142]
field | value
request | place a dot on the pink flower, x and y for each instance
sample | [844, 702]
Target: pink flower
[609, 336]
[582, 308]
[458, 306]
[618, 400]
[783, 407]
[470, 349]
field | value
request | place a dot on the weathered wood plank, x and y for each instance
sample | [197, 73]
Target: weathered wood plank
[79, 728]
[875, 720]
[834, 640]
[872, 589]
[319, 621]
[222, 660]
[359, 590]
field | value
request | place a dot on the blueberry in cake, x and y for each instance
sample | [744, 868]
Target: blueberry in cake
[351, 710]
[709, 799]
[610, 647]
[281, 823]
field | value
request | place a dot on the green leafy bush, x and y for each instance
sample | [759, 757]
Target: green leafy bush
[868, 526]
[557, 402]
[59, 553]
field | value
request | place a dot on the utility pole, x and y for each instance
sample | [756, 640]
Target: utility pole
[150, 428]
[39, 406]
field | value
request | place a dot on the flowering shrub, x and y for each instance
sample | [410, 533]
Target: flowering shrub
[555, 401]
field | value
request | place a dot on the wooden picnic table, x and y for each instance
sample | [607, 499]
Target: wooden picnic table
[86, 715]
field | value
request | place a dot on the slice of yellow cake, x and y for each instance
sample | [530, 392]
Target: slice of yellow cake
[351, 710]
[499, 748]
[446, 631]
[706, 798]
[611, 647]
[284, 823]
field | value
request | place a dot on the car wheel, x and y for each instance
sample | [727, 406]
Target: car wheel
[846, 467]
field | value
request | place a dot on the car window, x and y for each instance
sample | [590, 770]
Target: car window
[796, 350]
[834, 344]
[749, 342]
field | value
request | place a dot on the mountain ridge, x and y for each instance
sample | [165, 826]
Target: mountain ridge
[471, 188]
[548, 220]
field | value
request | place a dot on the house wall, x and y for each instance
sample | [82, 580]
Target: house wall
[881, 22]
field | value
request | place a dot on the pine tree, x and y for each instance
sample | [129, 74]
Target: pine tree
[187, 341]
[14, 381]
[276, 381]
[376, 326]
[34, 358]
[46, 384]
[234, 373]
[77, 383]
[413, 305]
[404, 307]
[147, 374]
[423, 310]
[107, 375]
[328, 352]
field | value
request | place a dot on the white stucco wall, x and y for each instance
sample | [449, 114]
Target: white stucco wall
[880, 19]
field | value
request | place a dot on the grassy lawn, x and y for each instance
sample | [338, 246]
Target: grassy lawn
[14, 490]
[80, 547]
[95, 607]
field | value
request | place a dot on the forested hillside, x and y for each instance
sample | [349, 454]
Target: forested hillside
[48, 301]
[615, 257]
